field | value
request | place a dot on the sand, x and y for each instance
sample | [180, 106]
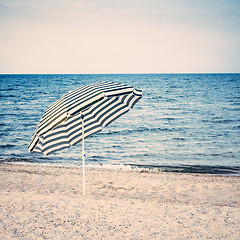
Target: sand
[46, 202]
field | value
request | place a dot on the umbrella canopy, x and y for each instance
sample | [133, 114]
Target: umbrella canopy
[99, 104]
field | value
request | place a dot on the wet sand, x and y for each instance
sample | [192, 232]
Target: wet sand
[46, 202]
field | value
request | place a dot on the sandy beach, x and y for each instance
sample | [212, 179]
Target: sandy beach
[46, 202]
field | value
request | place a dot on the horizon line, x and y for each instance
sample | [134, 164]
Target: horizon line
[118, 73]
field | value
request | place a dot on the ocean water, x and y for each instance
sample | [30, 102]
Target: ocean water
[184, 122]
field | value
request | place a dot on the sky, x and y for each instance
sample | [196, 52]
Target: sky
[119, 36]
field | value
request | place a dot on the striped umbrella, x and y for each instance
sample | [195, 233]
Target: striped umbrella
[80, 114]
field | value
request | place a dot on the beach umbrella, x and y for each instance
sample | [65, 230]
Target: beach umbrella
[80, 114]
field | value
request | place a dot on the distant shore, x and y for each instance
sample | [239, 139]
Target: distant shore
[46, 202]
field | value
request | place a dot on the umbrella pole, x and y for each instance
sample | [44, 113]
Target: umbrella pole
[83, 155]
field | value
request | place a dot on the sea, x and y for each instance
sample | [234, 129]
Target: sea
[183, 123]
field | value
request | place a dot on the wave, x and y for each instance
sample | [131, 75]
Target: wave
[7, 114]
[203, 169]
[192, 169]
[95, 158]
[7, 89]
[7, 146]
[8, 96]
[224, 154]
[179, 139]
[21, 160]
[168, 118]
[142, 130]
[228, 121]
[3, 134]
[221, 120]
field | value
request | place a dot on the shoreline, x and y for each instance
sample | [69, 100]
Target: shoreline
[184, 168]
[46, 202]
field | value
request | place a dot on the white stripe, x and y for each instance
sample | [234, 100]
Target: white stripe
[80, 131]
[125, 109]
[53, 105]
[126, 99]
[55, 131]
[67, 102]
[32, 143]
[78, 124]
[116, 91]
[100, 106]
[110, 85]
[86, 135]
[132, 101]
[55, 142]
[50, 111]
[78, 107]
[47, 136]
[55, 148]
[73, 124]
[116, 106]
[77, 121]
[105, 110]
[81, 98]
[138, 92]
[45, 128]
[47, 120]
